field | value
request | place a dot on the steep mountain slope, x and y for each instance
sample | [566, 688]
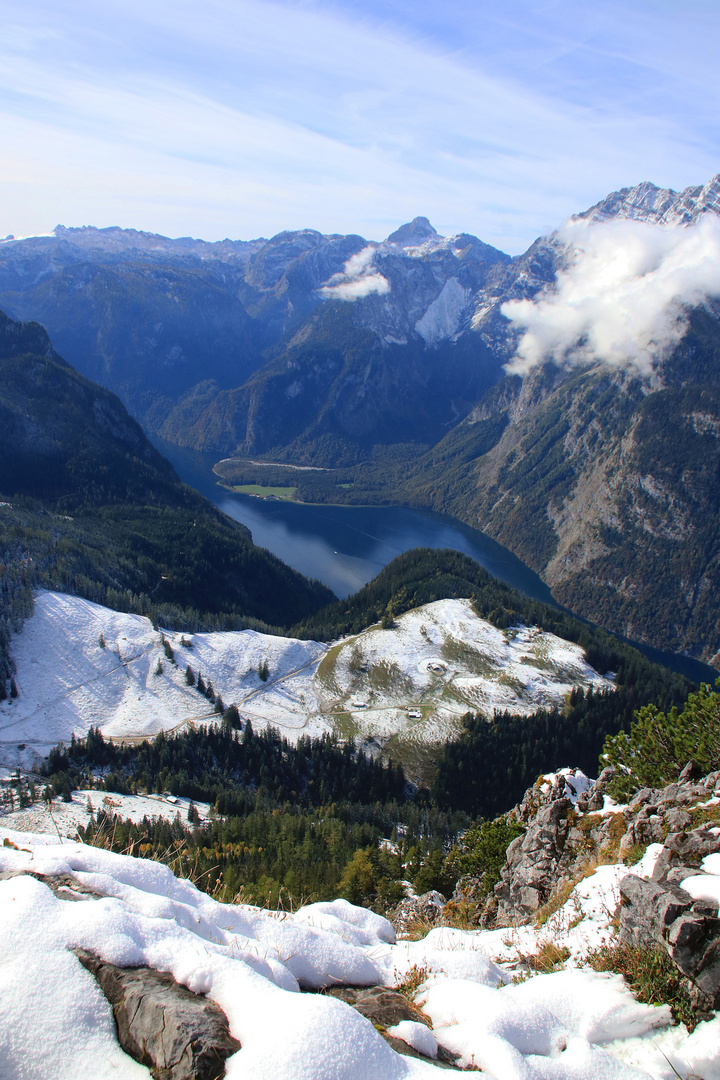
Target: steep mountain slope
[91, 506]
[62, 436]
[605, 477]
[608, 491]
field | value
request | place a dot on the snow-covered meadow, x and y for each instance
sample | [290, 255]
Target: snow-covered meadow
[62, 819]
[571, 1025]
[440, 661]
[79, 664]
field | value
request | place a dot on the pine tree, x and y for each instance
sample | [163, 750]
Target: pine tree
[659, 744]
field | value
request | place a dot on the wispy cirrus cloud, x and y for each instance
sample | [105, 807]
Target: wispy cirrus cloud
[624, 296]
[257, 115]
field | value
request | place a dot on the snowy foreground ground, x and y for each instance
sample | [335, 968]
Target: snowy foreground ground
[572, 1025]
[79, 664]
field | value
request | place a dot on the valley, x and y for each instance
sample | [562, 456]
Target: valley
[438, 373]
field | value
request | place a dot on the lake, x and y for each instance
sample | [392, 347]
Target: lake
[347, 546]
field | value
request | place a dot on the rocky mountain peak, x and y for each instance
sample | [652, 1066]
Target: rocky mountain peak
[418, 231]
[660, 206]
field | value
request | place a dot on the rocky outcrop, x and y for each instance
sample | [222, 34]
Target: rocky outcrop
[561, 829]
[567, 835]
[532, 864]
[661, 913]
[566, 831]
[179, 1035]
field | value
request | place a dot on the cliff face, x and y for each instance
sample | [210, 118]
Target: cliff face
[606, 484]
[571, 829]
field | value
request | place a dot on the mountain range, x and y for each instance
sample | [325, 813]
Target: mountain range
[440, 372]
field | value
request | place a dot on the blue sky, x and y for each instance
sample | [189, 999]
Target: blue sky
[240, 118]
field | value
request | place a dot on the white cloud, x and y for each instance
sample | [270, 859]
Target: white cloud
[624, 296]
[358, 279]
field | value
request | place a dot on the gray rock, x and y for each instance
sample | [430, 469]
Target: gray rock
[177, 1034]
[648, 909]
[385, 1008]
[677, 820]
[660, 913]
[677, 874]
[685, 849]
[532, 861]
[693, 943]
[692, 771]
[65, 886]
[426, 908]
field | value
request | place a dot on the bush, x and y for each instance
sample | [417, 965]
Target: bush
[660, 744]
[651, 975]
[436, 872]
[481, 851]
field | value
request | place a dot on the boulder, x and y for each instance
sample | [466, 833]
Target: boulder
[179, 1035]
[385, 1008]
[648, 910]
[427, 908]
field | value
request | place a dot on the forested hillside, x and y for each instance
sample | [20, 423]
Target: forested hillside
[90, 507]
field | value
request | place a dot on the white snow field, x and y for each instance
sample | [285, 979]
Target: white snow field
[79, 664]
[572, 1025]
[63, 818]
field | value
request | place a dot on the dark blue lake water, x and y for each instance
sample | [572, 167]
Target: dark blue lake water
[346, 546]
